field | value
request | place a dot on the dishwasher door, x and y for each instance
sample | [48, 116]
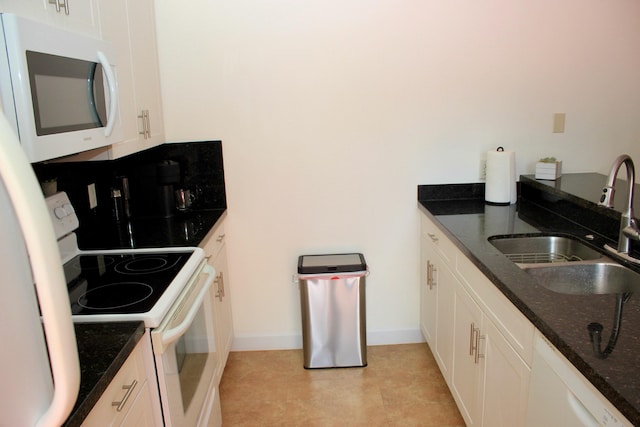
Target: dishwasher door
[560, 396]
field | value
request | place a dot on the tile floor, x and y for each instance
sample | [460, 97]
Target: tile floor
[401, 386]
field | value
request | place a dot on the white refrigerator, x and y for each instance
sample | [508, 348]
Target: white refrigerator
[39, 369]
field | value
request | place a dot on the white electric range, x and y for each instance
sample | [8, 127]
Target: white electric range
[166, 288]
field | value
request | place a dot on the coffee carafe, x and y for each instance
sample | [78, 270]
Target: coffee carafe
[167, 176]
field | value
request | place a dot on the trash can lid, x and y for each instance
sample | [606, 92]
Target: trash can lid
[331, 263]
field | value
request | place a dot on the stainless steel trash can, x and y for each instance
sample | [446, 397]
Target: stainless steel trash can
[332, 297]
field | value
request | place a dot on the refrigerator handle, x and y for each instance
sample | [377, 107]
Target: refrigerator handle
[44, 256]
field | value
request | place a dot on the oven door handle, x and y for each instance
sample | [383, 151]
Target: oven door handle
[167, 336]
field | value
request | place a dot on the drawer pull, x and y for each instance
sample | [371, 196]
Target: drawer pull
[478, 354]
[433, 237]
[431, 268]
[220, 238]
[219, 280]
[127, 395]
[472, 339]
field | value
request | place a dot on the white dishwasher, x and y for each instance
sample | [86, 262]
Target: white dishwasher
[560, 396]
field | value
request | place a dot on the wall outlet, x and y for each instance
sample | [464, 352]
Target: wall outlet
[93, 199]
[483, 169]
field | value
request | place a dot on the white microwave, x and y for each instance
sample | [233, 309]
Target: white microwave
[58, 88]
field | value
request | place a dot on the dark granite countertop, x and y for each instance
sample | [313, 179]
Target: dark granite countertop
[102, 349]
[460, 212]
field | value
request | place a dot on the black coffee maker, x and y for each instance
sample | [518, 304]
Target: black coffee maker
[157, 185]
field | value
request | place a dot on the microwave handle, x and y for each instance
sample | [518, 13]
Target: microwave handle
[113, 93]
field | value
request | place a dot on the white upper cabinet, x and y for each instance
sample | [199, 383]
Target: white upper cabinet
[74, 15]
[130, 26]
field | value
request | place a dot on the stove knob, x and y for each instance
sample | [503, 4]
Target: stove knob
[68, 208]
[60, 212]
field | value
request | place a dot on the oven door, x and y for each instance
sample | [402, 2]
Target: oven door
[186, 356]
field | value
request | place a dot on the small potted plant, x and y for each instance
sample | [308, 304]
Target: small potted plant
[549, 168]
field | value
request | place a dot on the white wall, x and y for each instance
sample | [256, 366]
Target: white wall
[332, 112]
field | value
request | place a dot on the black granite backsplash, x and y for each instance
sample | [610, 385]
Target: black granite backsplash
[201, 170]
[574, 197]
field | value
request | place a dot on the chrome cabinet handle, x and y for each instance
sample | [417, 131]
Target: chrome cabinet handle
[434, 281]
[478, 355]
[471, 339]
[61, 4]
[146, 124]
[219, 280]
[474, 343]
[220, 237]
[431, 268]
[434, 238]
[127, 395]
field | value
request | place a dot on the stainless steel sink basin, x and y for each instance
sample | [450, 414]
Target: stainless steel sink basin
[543, 249]
[586, 278]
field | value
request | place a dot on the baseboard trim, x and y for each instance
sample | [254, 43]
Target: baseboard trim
[294, 341]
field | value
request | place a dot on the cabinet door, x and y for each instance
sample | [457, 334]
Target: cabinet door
[129, 25]
[74, 15]
[141, 413]
[468, 361]
[216, 253]
[428, 294]
[222, 308]
[506, 383]
[146, 75]
[437, 300]
[446, 283]
[120, 398]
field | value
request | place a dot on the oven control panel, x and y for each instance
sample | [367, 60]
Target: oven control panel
[62, 214]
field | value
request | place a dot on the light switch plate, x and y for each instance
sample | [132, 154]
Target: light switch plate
[558, 122]
[93, 199]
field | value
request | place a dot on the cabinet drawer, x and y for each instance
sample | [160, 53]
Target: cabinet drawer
[515, 327]
[437, 239]
[123, 389]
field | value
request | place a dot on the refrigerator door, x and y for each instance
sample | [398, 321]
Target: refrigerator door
[36, 331]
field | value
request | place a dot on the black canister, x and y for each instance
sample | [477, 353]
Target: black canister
[167, 176]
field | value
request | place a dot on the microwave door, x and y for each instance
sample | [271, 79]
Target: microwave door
[67, 94]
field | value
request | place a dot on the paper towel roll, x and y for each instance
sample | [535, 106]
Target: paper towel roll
[500, 186]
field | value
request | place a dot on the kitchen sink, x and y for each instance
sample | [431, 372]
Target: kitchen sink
[586, 278]
[536, 249]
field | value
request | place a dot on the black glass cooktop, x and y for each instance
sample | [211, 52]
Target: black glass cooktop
[120, 283]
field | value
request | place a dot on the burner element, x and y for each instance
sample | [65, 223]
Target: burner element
[121, 283]
[145, 264]
[115, 295]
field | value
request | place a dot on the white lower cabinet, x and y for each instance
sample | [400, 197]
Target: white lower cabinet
[127, 401]
[216, 253]
[437, 293]
[480, 342]
[506, 385]
[468, 359]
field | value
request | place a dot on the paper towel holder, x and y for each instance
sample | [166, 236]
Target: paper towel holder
[500, 185]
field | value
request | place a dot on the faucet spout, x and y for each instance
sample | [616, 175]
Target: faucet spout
[628, 227]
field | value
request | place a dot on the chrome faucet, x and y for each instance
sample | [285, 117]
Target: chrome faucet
[628, 228]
